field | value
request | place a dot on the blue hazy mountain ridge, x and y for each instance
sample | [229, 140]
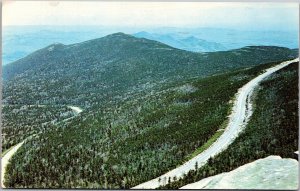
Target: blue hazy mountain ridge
[236, 38]
[189, 43]
[20, 41]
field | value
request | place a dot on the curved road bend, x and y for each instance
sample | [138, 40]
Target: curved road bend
[238, 119]
[5, 159]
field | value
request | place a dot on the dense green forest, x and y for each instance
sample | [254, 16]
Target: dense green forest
[122, 144]
[148, 107]
[92, 72]
[272, 130]
[21, 121]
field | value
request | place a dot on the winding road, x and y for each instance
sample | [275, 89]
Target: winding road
[5, 159]
[77, 110]
[238, 119]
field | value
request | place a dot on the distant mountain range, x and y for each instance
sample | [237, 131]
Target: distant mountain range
[116, 64]
[20, 41]
[189, 43]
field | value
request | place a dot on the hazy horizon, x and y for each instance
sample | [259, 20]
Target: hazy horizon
[244, 16]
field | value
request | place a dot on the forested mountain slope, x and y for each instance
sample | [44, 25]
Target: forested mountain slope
[147, 108]
[122, 144]
[272, 130]
[91, 71]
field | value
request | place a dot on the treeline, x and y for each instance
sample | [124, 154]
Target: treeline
[122, 144]
[272, 130]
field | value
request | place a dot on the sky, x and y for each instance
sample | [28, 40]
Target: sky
[250, 16]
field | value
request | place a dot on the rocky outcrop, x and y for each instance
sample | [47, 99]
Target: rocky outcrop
[272, 172]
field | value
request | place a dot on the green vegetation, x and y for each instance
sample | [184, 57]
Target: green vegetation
[206, 145]
[21, 121]
[272, 130]
[123, 144]
[211, 140]
[148, 107]
[6, 151]
[90, 73]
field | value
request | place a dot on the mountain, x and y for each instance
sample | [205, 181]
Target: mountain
[147, 107]
[114, 64]
[237, 38]
[189, 43]
[275, 117]
[20, 41]
[123, 143]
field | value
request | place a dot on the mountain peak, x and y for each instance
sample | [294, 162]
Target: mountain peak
[118, 34]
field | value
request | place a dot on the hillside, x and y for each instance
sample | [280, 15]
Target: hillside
[147, 107]
[112, 145]
[272, 129]
[100, 69]
[21, 121]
